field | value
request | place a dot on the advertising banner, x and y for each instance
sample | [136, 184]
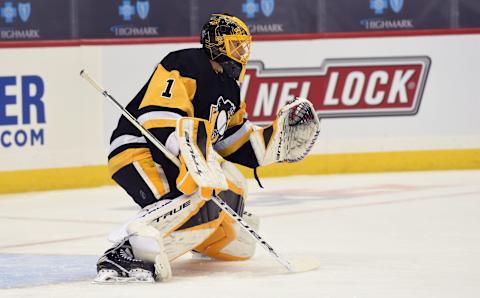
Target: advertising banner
[381, 15]
[49, 118]
[266, 16]
[35, 20]
[133, 18]
[339, 88]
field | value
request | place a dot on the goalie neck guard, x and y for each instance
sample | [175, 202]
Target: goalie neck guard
[226, 40]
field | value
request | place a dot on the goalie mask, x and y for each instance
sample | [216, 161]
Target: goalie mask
[226, 40]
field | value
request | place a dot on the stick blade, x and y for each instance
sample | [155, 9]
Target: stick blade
[303, 264]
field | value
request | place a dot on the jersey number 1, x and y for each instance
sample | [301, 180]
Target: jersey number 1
[168, 90]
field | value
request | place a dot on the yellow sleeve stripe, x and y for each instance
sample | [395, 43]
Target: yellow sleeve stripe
[155, 175]
[127, 157]
[169, 89]
[236, 145]
[160, 123]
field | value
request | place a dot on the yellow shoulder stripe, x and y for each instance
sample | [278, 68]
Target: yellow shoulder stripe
[169, 89]
[235, 146]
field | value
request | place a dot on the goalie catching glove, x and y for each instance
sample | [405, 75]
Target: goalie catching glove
[294, 133]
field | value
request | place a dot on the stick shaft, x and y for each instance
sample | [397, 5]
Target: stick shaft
[175, 160]
[253, 233]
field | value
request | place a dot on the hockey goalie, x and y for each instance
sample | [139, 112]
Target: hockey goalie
[191, 104]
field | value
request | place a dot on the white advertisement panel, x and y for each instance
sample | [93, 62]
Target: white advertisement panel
[48, 118]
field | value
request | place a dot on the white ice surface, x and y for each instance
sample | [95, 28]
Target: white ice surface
[375, 235]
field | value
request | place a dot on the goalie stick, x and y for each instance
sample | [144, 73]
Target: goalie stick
[221, 204]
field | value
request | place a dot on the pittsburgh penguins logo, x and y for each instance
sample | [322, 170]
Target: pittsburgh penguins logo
[220, 114]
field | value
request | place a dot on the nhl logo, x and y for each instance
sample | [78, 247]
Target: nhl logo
[24, 10]
[396, 5]
[267, 7]
[142, 9]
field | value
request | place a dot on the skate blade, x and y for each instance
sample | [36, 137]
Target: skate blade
[122, 280]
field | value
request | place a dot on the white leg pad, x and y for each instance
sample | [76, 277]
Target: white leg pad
[244, 245]
[147, 245]
[163, 215]
[150, 231]
[180, 242]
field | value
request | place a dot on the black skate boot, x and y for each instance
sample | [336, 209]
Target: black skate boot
[119, 265]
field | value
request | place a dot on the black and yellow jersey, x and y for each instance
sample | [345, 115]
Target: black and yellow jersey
[184, 84]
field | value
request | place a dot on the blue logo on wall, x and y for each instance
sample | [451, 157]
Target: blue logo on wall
[250, 8]
[396, 5]
[8, 12]
[16, 124]
[378, 6]
[267, 7]
[142, 9]
[24, 10]
[126, 10]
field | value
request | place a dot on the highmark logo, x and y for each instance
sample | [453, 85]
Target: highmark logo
[14, 13]
[9, 13]
[251, 7]
[380, 7]
[20, 99]
[127, 11]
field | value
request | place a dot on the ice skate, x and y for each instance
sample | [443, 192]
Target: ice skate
[118, 265]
